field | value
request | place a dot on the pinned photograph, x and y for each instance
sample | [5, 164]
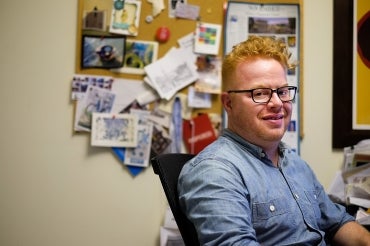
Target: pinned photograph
[114, 130]
[102, 52]
[125, 17]
[138, 54]
[94, 20]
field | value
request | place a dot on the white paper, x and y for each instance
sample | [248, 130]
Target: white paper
[337, 188]
[171, 73]
[166, 106]
[157, 6]
[169, 220]
[169, 237]
[362, 217]
[127, 91]
[169, 232]
[198, 99]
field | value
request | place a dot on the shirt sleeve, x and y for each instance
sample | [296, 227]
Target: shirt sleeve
[333, 215]
[213, 196]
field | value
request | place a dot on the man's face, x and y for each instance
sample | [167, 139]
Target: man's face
[263, 124]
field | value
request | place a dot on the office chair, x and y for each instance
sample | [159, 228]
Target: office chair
[168, 167]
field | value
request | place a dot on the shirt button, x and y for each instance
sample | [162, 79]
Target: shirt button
[272, 208]
[296, 196]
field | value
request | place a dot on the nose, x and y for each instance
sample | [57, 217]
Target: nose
[275, 99]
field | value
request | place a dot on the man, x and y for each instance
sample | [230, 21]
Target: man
[248, 187]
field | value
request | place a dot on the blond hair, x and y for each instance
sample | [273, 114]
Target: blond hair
[255, 47]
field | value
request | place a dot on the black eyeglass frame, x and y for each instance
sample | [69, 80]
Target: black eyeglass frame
[289, 87]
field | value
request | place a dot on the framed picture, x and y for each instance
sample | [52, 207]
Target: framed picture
[345, 133]
[138, 54]
[102, 51]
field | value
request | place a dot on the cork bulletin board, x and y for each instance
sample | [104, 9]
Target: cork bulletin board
[211, 11]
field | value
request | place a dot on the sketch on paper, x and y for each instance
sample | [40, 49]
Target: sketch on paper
[110, 130]
[171, 73]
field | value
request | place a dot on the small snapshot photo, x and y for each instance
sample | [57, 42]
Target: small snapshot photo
[138, 54]
[272, 25]
[94, 20]
[102, 52]
[125, 17]
[114, 130]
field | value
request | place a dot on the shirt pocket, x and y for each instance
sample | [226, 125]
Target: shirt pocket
[313, 200]
[266, 210]
[275, 217]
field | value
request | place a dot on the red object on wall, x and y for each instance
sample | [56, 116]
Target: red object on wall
[162, 34]
[198, 133]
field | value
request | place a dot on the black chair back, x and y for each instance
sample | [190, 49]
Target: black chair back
[168, 167]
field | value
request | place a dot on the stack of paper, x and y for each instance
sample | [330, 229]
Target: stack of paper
[170, 234]
[351, 185]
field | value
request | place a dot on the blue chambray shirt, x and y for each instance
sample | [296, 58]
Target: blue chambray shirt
[235, 196]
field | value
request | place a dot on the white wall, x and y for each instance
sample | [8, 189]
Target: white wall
[54, 189]
[318, 52]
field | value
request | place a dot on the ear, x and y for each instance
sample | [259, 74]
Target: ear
[226, 101]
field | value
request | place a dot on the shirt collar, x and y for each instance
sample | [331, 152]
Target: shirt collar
[254, 149]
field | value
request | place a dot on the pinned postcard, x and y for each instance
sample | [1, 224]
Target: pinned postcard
[114, 130]
[140, 155]
[125, 17]
[96, 100]
[81, 82]
[187, 11]
[207, 38]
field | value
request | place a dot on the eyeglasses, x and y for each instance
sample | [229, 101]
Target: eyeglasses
[263, 95]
